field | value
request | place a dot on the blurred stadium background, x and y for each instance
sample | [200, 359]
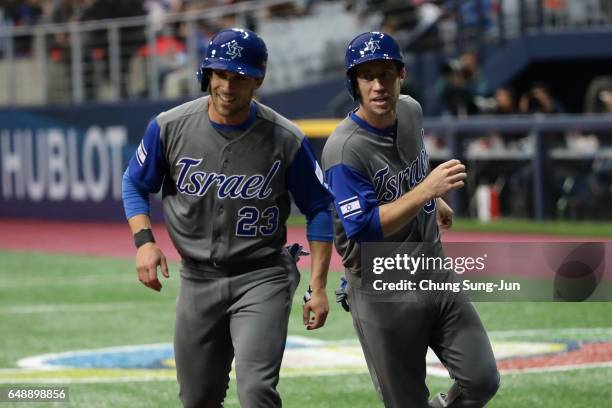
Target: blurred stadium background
[520, 90]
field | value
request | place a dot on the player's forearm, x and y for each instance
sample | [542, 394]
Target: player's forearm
[139, 222]
[396, 215]
[320, 254]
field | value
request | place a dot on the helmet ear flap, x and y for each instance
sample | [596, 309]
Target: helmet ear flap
[354, 87]
[351, 85]
[204, 78]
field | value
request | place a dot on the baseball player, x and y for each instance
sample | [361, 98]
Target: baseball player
[226, 165]
[376, 165]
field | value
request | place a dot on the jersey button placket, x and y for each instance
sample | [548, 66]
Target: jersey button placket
[225, 158]
[219, 219]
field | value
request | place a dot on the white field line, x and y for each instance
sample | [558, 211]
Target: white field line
[169, 375]
[73, 307]
[90, 380]
[568, 367]
[579, 332]
[86, 280]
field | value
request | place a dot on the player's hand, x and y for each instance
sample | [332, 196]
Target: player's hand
[318, 306]
[444, 178]
[148, 258]
[444, 215]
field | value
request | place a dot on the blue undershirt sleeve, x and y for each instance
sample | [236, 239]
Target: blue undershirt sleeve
[148, 166]
[310, 193]
[135, 201]
[320, 227]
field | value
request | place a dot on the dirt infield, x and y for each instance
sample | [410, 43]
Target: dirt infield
[114, 239]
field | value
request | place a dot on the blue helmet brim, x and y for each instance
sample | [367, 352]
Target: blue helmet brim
[242, 69]
[374, 57]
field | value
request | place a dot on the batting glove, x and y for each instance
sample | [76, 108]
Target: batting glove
[307, 295]
[342, 294]
[296, 250]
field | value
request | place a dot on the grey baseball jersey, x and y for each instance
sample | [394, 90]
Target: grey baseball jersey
[367, 167]
[367, 171]
[226, 199]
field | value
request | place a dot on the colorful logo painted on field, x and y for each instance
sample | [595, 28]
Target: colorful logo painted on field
[303, 356]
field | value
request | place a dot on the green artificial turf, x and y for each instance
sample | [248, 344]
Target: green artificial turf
[53, 303]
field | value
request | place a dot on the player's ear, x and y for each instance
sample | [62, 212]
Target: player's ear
[258, 82]
[402, 73]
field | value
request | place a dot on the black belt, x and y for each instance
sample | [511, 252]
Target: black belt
[236, 268]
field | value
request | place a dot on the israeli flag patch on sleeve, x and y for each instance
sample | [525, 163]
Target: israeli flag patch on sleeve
[350, 207]
[141, 153]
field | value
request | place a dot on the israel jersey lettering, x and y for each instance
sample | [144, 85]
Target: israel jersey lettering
[226, 199]
[367, 167]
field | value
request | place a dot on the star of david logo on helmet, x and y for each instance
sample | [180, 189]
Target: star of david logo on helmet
[233, 50]
[371, 46]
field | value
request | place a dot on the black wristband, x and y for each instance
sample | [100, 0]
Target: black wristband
[143, 236]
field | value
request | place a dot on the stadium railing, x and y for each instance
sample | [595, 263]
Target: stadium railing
[539, 142]
[142, 57]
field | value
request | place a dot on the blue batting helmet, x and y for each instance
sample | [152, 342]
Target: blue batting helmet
[370, 46]
[235, 50]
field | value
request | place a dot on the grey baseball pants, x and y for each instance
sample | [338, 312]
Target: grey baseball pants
[222, 315]
[395, 337]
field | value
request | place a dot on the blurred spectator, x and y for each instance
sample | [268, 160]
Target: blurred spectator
[63, 12]
[456, 98]
[404, 12]
[598, 98]
[408, 87]
[286, 10]
[606, 101]
[105, 9]
[476, 84]
[475, 14]
[465, 21]
[21, 13]
[462, 90]
[171, 64]
[246, 20]
[158, 10]
[539, 100]
[96, 42]
[411, 22]
[505, 102]
[392, 26]
[66, 10]
[204, 32]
